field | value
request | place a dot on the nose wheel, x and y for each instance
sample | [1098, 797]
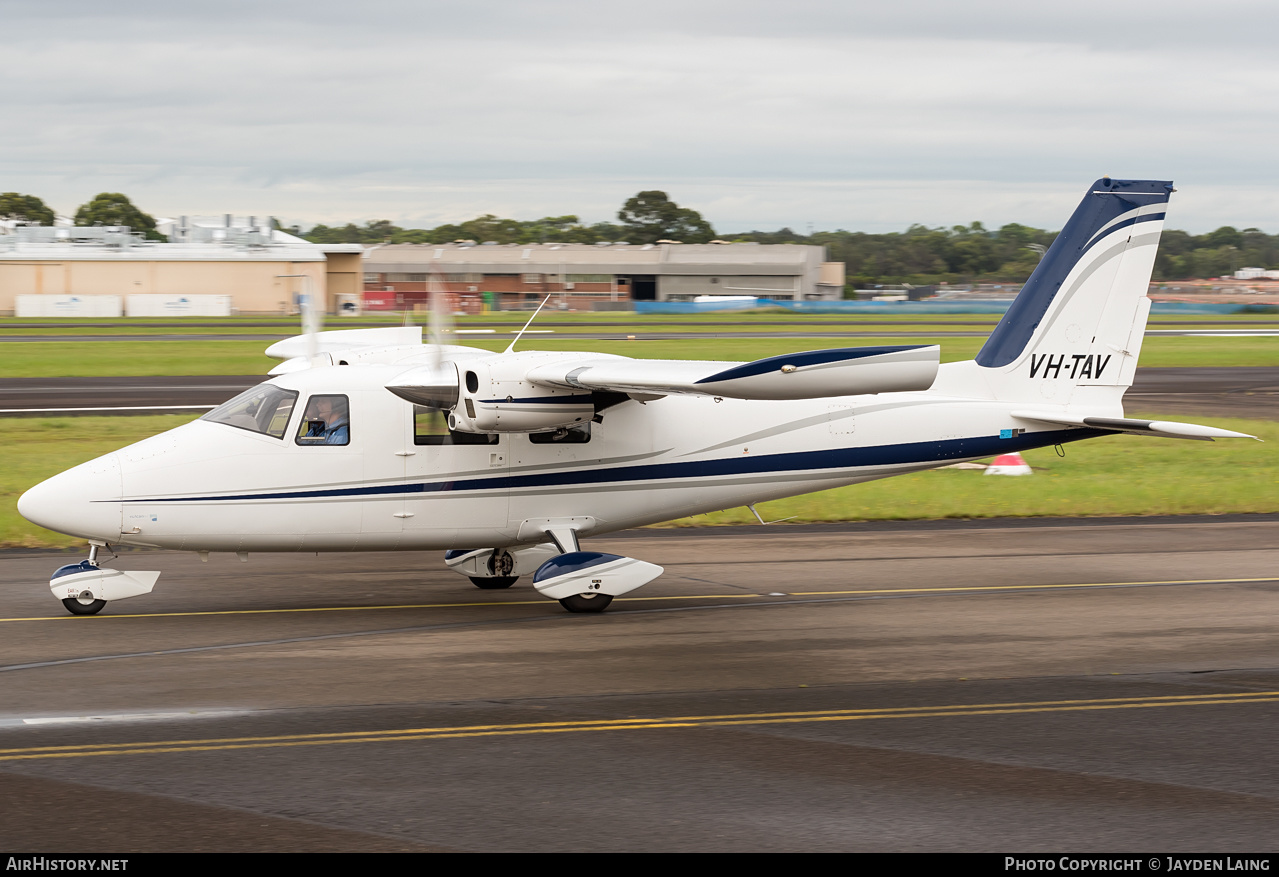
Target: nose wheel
[589, 602]
[83, 604]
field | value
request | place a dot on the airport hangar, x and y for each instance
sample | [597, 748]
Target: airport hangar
[109, 271]
[252, 268]
[593, 276]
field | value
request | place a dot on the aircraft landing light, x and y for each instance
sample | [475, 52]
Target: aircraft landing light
[867, 592]
[635, 724]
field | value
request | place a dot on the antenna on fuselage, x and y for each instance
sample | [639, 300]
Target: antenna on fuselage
[511, 347]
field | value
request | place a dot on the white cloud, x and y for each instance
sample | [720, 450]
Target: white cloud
[863, 116]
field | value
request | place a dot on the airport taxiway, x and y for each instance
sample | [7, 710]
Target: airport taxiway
[1084, 685]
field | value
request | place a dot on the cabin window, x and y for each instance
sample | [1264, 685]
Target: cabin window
[565, 435]
[264, 409]
[430, 427]
[327, 421]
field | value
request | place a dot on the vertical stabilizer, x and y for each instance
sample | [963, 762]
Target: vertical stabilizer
[1073, 334]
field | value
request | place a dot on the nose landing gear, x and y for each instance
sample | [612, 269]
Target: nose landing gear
[85, 588]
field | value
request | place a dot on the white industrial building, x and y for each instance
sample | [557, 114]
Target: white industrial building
[585, 276]
[211, 267]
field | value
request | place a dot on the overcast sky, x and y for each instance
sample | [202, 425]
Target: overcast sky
[838, 114]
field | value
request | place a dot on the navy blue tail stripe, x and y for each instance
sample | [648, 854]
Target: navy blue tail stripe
[1104, 202]
[1148, 217]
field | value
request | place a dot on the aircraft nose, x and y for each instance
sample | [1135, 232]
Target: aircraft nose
[83, 501]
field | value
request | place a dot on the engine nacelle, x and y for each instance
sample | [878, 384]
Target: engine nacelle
[489, 394]
[495, 398]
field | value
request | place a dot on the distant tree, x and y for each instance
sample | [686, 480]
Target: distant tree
[1226, 236]
[25, 208]
[372, 232]
[652, 216]
[113, 208]
[550, 228]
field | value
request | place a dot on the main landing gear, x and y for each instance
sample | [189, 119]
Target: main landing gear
[85, 588]
[582, 581]
[499, 567]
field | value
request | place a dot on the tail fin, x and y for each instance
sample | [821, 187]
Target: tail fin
[1074, 332]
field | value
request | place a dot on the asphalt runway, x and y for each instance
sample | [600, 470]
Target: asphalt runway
[1058, 685]
[1225, 392]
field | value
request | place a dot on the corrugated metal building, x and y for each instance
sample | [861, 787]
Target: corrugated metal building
[251, 263]
[583, 276]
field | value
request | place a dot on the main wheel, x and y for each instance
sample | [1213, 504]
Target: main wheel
[587, 602]
[493, 583]
[77, 606]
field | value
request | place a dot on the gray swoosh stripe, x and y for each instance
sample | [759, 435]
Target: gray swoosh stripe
[1117, 249]
[806, 422]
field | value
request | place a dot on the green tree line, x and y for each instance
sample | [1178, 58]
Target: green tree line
[106, 208]
[919, 255]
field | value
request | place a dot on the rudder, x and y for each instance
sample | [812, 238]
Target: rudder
[1074, 332]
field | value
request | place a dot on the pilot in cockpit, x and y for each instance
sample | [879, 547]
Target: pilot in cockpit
[327, 421]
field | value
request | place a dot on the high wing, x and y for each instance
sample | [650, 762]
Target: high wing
[299, 351]
[336, 340]
[814, 374]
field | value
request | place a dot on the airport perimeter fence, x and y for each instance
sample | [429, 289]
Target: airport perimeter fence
[919, 307]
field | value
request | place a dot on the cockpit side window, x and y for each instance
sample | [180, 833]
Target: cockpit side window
[327, 421]
[264, 409]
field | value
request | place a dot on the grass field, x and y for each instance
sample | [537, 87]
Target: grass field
[35, 359]
[569, 322]
[1113, 476]
[1118, 475]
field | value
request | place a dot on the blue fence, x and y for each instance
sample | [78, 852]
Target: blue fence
[917, 307]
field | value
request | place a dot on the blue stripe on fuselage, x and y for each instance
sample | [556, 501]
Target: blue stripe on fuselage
[798, 462]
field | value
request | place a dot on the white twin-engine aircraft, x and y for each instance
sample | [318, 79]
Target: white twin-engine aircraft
[369, 440]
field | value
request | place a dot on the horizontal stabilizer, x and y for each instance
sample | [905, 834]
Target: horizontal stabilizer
[1159, 428]
[814, 374]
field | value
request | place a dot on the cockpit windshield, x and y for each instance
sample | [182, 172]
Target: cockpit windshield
[264, 409]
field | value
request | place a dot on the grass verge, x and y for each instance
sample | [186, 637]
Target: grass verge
[46, 359]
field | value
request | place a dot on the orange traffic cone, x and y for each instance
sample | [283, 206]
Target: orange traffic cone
[1008, 464]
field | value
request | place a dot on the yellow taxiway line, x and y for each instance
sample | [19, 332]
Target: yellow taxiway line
[631, 724]
[866, 592]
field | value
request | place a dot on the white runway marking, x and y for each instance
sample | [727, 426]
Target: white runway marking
[124, 718]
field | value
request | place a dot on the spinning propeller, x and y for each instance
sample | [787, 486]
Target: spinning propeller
[441, 393]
